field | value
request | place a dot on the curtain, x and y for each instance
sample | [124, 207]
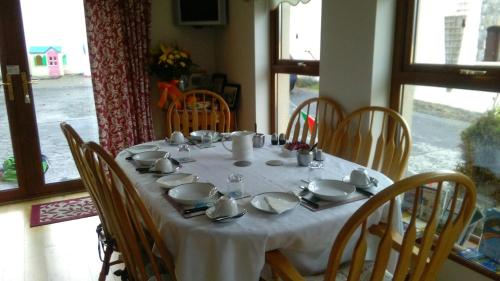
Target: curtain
[276, 3]
[118, 39]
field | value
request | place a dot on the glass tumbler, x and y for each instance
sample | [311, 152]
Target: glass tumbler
[184, 152]
[235, 184]
[206, 140]
[315, 171]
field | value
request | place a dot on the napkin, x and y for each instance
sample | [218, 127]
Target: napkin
[278, 205]
[183, 180]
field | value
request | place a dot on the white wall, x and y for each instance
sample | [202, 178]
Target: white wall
[243, 54]
[201, 42]
[356, 51]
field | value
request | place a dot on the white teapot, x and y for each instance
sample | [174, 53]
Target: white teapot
[242, 147]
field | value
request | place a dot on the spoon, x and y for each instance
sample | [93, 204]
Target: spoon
[313, 147]
[223, 218]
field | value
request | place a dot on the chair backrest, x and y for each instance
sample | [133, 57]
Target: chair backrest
[75, 144]
[137, 237]
[198, 110]
[420, 258]
[315, 120]
[375, 137]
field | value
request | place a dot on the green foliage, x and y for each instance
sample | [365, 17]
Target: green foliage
[485, 131]
[307, 82]
[480, 147]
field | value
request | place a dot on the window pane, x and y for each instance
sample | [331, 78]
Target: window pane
[464, 32]
[458, 130]
[301, 31]
[292, 90]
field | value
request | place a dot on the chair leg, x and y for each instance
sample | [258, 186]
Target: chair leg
[106, 263]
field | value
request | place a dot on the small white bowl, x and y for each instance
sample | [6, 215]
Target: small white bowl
[193, 193]
[148, 158]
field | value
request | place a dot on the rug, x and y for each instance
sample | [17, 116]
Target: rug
[64, 210]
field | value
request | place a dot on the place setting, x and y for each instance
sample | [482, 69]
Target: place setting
[192, 198]
[318, 194]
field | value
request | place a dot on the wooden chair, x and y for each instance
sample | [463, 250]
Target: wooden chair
[106, 240]
[325, 115]
[198, 110]
[141, 245]
[374, 137]
[419, 258]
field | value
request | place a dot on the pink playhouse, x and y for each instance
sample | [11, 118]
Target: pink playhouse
[46, 61]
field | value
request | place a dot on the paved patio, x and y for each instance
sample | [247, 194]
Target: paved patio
[70, 99]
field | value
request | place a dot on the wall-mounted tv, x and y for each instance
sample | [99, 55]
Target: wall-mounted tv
[200, 12]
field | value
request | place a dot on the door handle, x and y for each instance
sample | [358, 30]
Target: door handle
[26, 92]
[8, 83]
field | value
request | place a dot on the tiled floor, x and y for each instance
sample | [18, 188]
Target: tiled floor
[62, 251]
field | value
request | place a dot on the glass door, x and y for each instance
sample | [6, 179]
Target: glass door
[51, 84]
[8, 174]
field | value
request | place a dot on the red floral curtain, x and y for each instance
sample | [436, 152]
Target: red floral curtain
[118, 39]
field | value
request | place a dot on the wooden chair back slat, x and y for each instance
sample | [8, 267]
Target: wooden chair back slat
[352, 142]
[314, 130]
[358, 257]
[137, 235]
[320, 129]
[384, 247]
[327, 115]
[200, 110]
[451, 226]
[357, 142]
[367, 143]
[408, 242]
[427, 238]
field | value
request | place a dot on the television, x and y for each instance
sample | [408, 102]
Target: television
[200, 12]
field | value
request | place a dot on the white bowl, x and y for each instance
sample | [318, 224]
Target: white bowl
[331, 190]
[148, 158]
[142, 148]
[193, 193]
[174, 180]
[196, 135]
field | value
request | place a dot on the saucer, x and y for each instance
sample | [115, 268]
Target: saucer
[210, 214]
[348, 180]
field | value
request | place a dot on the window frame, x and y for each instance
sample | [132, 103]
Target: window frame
[283, 66]
[404, 72]
[469, 77]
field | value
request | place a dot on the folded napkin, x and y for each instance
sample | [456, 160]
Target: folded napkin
[183, 180]
[279, 205]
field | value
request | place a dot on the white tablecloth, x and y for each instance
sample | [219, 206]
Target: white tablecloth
[235, 251]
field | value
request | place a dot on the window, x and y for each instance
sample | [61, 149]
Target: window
[296, 32]
[446, 83]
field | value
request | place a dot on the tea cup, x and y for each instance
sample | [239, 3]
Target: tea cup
[359, 177]
[163, 165]
[177, 137]
[225, 206]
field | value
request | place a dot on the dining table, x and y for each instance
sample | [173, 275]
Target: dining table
[207, 250]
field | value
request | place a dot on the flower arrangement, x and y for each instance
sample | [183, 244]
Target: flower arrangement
[170, 63]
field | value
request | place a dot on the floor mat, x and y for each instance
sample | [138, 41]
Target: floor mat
[64, 210]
